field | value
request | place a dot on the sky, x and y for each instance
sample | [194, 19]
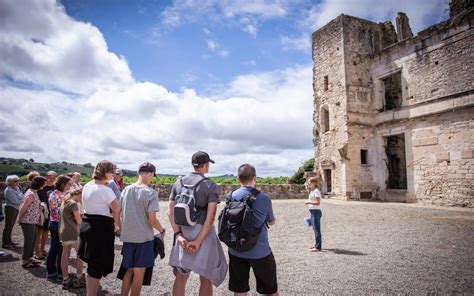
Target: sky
[156, 80]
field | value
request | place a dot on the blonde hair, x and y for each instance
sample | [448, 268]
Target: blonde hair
[31, 175]
[313, 180]
[102, 168]
[72, 193]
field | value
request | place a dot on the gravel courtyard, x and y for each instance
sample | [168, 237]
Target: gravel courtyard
[368, 248]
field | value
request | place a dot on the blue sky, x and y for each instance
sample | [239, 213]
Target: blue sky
[134, 81]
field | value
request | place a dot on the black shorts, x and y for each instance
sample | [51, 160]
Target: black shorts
[263, 268]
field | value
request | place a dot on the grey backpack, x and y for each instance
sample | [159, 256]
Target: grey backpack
[185, 210]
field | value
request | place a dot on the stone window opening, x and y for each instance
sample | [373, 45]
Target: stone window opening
[326, 83]
[325, 119]
[364, 156]
[328, 180]
[392, 86]
[396, 162]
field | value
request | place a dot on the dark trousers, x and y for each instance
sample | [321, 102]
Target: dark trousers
[316, 223]
[53, 260]
[29, 233]
[10, 217]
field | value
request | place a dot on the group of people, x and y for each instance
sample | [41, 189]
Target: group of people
[87, 218]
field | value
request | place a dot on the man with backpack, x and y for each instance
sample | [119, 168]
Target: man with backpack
[259, 257]
[192, 211]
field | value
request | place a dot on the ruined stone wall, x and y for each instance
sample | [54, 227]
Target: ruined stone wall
[275, 191]
[443, 158]
[328, 61]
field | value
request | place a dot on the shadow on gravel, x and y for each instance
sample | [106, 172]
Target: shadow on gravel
[345, 252]
[39, 272]
[8, 258]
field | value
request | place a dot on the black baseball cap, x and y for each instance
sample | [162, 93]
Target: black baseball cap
[147, 167]
[200, 157]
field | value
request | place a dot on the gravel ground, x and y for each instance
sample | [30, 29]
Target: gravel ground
[368, 248]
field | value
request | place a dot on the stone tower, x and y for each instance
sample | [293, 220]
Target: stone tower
[386, 108]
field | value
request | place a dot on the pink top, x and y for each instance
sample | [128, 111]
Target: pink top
[32, 214]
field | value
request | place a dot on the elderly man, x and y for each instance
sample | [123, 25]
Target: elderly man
[13, 199]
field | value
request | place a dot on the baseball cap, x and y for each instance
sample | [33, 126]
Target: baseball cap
[147, 167]
[200, 157]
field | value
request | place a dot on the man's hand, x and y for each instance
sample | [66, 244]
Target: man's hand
[182, 241]
[193, 247]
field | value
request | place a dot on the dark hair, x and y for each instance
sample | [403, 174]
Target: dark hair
[70, 175]
[246, 172]
[102, 168]
[37, 182]
[61, 182]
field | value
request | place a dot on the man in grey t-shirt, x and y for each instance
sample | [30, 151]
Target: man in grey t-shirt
[197, 248]
[139, 205]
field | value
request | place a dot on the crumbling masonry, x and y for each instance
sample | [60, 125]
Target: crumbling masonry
[393, 112]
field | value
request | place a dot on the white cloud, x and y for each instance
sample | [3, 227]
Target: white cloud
[212, 45]
[302, 43]
[421, 13]
[247, 12]
[40, 44]
[264, 118]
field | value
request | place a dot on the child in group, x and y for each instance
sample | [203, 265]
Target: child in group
[69, 236]
[314, 220]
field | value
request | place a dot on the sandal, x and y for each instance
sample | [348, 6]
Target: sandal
[29, 264]
[40, 257]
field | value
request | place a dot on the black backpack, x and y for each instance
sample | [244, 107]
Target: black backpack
[236, 228]
[185, 210]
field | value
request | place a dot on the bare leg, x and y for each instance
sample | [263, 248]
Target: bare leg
[92, 284]
[79, 262]
[64, 261]
[206, 287]
[138, 274]
[127, 282]
[179, 287]
[44, 238]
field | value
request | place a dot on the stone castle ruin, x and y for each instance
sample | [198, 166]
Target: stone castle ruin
[393, 112]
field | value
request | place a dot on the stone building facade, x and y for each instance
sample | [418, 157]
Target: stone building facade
[393, 112]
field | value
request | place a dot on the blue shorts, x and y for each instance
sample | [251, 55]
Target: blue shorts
[138, 255]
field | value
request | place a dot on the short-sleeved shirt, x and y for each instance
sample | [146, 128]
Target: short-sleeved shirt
[33, 212]
[136, 202]
[115, 188]
[313, 196]
[68, 228]
[205, 193]
[55, 201]
[44, 193]
[262, 212]
[96, 199]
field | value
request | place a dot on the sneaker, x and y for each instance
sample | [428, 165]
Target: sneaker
[69, 282]
[80, 282]
[59, 277]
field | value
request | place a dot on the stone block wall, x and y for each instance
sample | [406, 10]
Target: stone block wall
[277, 191]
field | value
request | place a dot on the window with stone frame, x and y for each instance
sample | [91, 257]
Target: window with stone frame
[326, 83]
[392, 86]
[364, 156]
[325, 123]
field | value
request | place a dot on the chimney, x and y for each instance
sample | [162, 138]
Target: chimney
[403, 27]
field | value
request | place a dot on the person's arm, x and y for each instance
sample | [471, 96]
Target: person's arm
[77, 216]
[114, 206]
[155, 223]
[11, 197]
[24, 206]
[194, 245]
[176, 230]
[316, 202]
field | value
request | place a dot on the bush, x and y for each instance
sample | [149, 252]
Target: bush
[298, 177]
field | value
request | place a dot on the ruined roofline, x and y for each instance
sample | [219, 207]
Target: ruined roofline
[338, 19]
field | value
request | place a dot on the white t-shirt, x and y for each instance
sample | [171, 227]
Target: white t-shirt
[313, 195]
[96, 199]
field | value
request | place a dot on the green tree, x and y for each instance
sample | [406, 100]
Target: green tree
[298, 177]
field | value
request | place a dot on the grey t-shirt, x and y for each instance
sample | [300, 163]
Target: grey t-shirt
[206, 192]
[136, 202]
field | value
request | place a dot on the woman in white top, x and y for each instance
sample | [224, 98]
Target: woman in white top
[313, 202]
[101, 211]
